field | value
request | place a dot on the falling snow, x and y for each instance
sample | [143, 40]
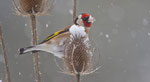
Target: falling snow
[123, 29]
[145, 22]
[107, 36]
[71, 11]
[25, 24]
[46, 25]
[148, 33]
[20, 73]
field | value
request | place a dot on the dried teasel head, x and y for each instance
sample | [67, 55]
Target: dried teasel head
[78, 56]
[33, 7]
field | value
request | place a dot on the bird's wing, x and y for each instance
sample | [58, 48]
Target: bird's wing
[64, 30]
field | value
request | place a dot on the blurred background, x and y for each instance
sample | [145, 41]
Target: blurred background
[121, 35]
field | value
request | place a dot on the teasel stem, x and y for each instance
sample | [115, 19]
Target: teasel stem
[78, 77]
[74, 9]
[34, 41]
[5, 57]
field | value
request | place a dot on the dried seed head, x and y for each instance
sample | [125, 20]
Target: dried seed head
[78, 56]
[33, 7]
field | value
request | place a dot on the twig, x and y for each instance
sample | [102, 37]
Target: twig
[78, 77]
[5, 57]
[74, 16]
[34, 41]
[74, 9]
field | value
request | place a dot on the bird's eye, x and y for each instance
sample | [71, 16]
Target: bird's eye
[85, 18]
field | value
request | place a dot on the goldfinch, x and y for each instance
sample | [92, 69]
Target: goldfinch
[55, 43]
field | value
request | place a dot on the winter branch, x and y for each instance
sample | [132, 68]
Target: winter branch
[5, 57]
[74, 9]
[34, 41]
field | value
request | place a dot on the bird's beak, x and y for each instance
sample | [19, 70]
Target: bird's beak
[91, 19]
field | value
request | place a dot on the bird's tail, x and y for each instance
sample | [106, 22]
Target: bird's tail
[27, 49]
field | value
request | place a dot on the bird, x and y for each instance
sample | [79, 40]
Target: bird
[55, 43]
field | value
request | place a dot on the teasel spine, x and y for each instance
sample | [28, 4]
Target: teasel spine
[5, 56]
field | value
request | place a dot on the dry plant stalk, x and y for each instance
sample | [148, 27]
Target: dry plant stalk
[77, 57]
[34, 41]
[5, 57]
[74, 9]
[33, 8]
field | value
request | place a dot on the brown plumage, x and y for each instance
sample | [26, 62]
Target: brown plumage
[58, 37]
[55, 43]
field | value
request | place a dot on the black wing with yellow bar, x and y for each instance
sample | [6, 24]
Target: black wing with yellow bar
[55, 34]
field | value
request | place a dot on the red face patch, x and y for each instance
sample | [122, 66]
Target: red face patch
[85, 18]
[85, 15]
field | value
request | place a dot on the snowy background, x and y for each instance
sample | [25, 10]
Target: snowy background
[121, 33]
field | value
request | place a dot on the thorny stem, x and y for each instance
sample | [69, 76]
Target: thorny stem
[78, 77]
[74, 9]
[74, 16]
[34, 41]
[5, 57]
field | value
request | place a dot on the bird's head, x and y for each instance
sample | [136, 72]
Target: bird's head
[84, 20]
